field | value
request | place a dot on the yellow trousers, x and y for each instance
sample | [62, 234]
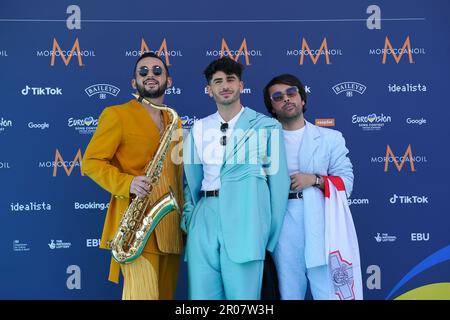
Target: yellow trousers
[152, 276]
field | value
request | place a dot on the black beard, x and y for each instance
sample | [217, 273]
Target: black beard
[283, 118]
[151, 94]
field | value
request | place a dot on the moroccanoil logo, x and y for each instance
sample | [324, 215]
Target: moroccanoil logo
[397, 52]
[399, 161]
[64, 54]
[314, 54]
[406, 157]
[163, 51]
[388, 47]
[243, 51]
[71, 164]
[59, 162]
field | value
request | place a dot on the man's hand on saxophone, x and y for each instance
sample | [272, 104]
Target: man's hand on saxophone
[140, 186]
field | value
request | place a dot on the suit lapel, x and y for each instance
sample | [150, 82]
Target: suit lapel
[192, 167]
[309, 145]
[243, 124]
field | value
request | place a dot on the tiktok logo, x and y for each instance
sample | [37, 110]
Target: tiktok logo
[38, 91]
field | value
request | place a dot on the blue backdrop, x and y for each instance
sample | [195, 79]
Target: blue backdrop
[378, 72]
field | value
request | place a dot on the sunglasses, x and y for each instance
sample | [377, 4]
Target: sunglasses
[278, 96]
[143, 71]
[223, 128]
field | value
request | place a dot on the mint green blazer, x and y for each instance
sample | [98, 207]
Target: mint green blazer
[253, 195]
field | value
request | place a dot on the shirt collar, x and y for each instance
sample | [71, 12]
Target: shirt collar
[233, 121]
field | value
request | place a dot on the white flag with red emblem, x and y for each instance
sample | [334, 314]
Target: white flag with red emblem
[341, 243]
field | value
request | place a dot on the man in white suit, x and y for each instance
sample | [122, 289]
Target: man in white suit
[312, 152]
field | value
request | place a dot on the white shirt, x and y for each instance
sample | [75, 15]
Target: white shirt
[206, 133]
[293, 140]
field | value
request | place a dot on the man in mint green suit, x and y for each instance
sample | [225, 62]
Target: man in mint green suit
[236, 191]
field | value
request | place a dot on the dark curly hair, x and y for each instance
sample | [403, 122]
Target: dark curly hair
[287, 79]
[224, 64]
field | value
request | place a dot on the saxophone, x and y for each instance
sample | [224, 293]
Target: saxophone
[142, 216]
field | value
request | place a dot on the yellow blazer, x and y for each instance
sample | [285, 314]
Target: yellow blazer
[124, 142]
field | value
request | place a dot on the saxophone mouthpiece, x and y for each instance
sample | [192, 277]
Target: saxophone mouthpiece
[140, 98]
[146, 101]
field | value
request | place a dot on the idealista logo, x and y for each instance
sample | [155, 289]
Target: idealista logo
[30, 206]
[384, 237]
[173, 91]
[58, 244]
[314, 54]
[163, 51]
[243, 50]
[66, 55]
[102, 89]
[397, 52]
[60, 162]
[40, 91]
[407, 88]
[86, 125]
[399, 161]
[349, 87]
[5, 123]
[371, 122]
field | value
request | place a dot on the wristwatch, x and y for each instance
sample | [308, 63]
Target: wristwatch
[317, 183]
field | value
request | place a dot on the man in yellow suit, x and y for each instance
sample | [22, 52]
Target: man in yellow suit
[126, 139]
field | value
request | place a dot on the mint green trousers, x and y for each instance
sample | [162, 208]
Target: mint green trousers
[211, 274]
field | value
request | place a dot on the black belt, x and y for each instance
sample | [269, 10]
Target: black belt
[296, 195]
[209, 193]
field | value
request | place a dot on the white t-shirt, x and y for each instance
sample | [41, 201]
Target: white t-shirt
[293, 140]
[207, 135]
